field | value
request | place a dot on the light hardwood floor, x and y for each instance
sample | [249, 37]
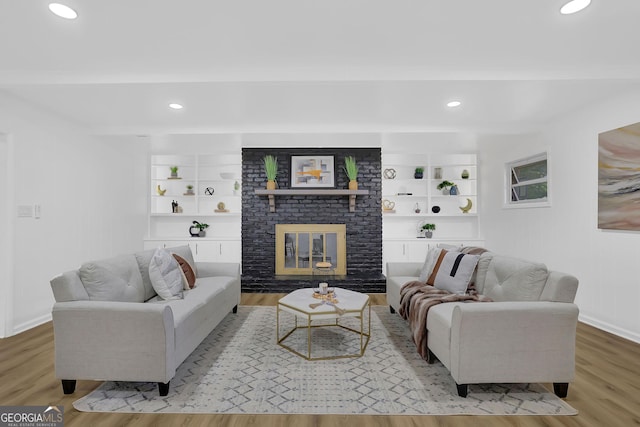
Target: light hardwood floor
[606, 391]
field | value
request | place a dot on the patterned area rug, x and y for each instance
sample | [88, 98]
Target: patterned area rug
[239, 368]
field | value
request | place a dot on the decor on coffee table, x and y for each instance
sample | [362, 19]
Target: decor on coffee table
[312, 172]
[240, 369]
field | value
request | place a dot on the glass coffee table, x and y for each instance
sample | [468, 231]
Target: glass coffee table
[349, 306]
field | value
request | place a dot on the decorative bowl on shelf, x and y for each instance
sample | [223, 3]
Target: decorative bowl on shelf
[227, 175]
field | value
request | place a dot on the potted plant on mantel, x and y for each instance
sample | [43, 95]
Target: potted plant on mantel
[271, 169]
[351, 169]
[428, 230]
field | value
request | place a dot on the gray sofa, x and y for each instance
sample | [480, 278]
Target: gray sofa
[526, 335]
[109, 323]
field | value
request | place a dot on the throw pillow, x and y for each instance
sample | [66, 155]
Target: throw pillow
[188, 276]
[166, 275]
[185, 252]
[429, 263]
[432, 277]
[455, 271]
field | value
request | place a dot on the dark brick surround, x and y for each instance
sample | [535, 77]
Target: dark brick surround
[364, 226]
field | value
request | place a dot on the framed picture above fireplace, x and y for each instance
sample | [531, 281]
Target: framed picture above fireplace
[312, 171]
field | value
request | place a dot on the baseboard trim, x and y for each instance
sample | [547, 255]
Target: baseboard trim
[607, 327]
[31, 324]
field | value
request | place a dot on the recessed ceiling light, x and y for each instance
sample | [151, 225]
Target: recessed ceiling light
[63, 11]
[574, 6]
[176, 106]
[453, 104]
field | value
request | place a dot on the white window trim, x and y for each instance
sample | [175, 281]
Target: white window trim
[544, 203]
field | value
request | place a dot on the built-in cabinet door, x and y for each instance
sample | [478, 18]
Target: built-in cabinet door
[218, 251]
[408, 250]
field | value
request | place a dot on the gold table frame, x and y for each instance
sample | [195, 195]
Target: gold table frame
[330, 314]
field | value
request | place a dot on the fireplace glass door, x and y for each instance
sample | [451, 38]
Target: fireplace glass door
[307, 249]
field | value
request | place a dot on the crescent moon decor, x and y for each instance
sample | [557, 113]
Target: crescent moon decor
[467, 207]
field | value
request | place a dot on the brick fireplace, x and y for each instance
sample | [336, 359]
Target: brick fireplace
[363, 226]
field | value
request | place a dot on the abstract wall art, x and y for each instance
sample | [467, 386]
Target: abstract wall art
[619, 178]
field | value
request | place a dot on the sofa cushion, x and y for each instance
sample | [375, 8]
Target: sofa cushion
[455, 271]
[144, 258]
[166, 275]
[512, 279]
[188, 275]
[113, 279]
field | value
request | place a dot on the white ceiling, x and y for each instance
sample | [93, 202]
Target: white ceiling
[311, 65]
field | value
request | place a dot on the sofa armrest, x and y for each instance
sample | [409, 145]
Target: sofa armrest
[106, 340]
[513, 342]
[404, 269]
[211, 269]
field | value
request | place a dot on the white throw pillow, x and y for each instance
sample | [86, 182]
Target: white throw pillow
[429, 263]
[455, 271]
[166, 275]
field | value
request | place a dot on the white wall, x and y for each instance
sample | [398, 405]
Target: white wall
[565, 236]
[92, 194]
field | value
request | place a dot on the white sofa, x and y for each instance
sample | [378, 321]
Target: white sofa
[526, 335]
[113, 326]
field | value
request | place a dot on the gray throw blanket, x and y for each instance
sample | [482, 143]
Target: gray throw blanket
[416, 298]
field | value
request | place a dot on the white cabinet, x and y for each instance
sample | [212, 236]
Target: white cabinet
[203, 249]
[418, 201]
[207, 190]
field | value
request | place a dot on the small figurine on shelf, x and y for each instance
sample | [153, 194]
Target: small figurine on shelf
[236, 188]
[175, 207]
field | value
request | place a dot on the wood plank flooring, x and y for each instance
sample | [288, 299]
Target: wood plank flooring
[606, 390]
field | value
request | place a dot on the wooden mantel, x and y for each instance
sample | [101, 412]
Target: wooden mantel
[319, 192]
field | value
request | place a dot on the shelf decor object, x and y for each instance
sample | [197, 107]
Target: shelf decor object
[419, 173]
[174, 172]
[209, 191]
[198, 229]
[465, 174]
[389, 173]
[312, 172]
[467, 207]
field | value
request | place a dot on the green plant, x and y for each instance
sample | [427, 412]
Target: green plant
[350, 168]
[189, 187]
[419, 169]
[445, 184]
[174, 169]
[200, 225]
[428, 227]
[270, 167]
